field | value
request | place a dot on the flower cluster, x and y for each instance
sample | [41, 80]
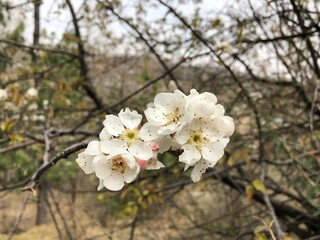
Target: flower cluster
[194, 124]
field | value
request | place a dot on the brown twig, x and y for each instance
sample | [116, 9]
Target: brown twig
[34, 180]
[18, 220]
[87, 85]
[56, 51]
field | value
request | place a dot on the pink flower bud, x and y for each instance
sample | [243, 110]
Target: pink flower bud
[143, 164]
[155, 147]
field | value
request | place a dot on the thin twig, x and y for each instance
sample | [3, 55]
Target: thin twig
[64, 222]
[54, 219]
[18, 220]
[56, 51]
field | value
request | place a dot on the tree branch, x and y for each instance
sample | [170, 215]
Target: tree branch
[56, 51]
[87, 85]
[34, 180]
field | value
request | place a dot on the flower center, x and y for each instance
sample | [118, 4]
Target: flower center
[118, 164]
[173, 117]
[130, 136]
[197, 139]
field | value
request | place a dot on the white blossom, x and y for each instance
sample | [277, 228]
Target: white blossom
[32, 107]
[170, 112]
[124, 133]
[3, 95]
[203, 142]
[36, 117]
[31, 93]
[115, 169]
[45, 104]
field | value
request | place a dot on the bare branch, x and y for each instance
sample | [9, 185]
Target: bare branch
[34, 180]
[56, 51]
[18, 220]
[87, 85]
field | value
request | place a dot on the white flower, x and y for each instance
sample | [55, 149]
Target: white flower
[40, 118]
[45, 104]
[204, 104]
[203, 142]
[85, 158]
[3, 95]
[31, 93]
[32, 107]
[11, 107]
[170, 112]
[123, 133]
[115, 169]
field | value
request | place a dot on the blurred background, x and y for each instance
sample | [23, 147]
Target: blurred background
[65, 64]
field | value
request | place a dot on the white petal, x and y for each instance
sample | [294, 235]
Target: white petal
[101, 165]
[113, 125]
[186, 118]
[130, 119]
[155, 116]
[210, 97]
[141, 151]
[218, 111]
[93, 148]
[210, 164]
[131, 174]
[104, 135]
[130, 160]
[85, 162]
[155, 166]
[164, 143]
[214, 129]
[186, 167]
[198, 170]
[175, 145]
[228, 128]
[148, 132]
[195, 125]
[168, 129]
[113, 145]
[182, 136]
[203, 105]
[113, 181]
[214, 151]
[166, 102]
[192, 94]
[179, 93]
[190, 154]
[101, 185]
